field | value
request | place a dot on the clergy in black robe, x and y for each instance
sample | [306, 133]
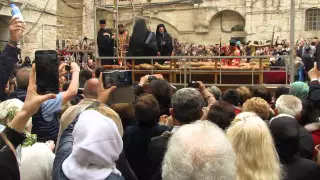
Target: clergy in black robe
[105, 43]
[142, 42]
[164, 42]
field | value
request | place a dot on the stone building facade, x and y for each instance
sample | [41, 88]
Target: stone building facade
[206, 23]
[211, 20]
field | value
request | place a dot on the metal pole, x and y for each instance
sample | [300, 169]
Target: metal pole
[42, 35]
[286, 68]
[117, 29]
[95, 33]
[152, 66]
[292, 26]
[220, 73]
[185, 74]
[252, 75]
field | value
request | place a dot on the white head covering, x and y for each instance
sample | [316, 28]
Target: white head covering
[9, 109]
[97, 145]
[36, 162]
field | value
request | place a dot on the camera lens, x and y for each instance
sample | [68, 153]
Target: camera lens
[67, 68]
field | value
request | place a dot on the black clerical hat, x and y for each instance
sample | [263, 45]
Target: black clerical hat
[102, 21]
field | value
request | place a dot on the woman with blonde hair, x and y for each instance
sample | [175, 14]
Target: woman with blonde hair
[256, 154]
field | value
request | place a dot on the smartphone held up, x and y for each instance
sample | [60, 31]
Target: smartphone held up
[123, 80]
[47, 71]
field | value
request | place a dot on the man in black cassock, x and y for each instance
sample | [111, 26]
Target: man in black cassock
[164, 42]
[105, 41]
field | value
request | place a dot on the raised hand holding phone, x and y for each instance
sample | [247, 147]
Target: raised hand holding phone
[104, 94]
[31, 104]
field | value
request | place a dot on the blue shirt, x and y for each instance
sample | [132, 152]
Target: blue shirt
[51, 106]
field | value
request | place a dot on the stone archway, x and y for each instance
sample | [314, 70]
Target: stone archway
[153, 22]
[225, 25]
[170, 28]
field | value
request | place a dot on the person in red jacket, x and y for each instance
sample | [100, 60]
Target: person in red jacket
[231, 50]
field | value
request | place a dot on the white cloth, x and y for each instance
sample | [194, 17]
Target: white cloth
[175, 128]
[97, 145]
[36, 162]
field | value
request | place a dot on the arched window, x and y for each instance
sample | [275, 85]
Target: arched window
[312, 19]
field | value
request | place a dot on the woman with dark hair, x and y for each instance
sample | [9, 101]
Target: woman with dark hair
[222, 114]
[162, 91]
[136, 138]
[142, 42]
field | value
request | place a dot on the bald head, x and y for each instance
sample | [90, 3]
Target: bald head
[22, 78]
[91, 88]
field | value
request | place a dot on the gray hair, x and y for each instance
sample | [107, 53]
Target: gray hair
[215, 91]
[199, 151]
[187, 105]
[22, 77]
[289, 105]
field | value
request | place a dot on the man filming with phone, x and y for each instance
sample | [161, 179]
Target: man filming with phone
[46, 120]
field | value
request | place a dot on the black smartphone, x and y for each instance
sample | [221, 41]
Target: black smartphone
[116, 78]
[193, 84]
[47, 71]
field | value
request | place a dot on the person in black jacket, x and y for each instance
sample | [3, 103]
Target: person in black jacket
[187, 104]
[164, 42]
[290, 106]
[308, 59]
[12, 136]
[105, 41]
[142, 42]
[136, 138]
[286, 134]
[9, 55]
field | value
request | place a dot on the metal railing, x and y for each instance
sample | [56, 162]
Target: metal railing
[186, 70]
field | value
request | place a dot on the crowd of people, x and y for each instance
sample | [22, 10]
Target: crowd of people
[203, 133]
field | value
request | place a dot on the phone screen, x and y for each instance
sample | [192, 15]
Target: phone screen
[117, 78]
[47, 71]
[193, 84]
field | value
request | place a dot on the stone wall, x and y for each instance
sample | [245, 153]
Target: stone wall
[40, 30]
[40, 21]
[260, 22]
[70, 18]
[88, 19]
[214, 19]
